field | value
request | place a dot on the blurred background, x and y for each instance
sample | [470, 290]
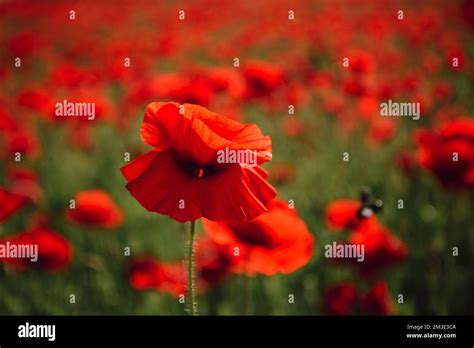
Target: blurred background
[278, 64]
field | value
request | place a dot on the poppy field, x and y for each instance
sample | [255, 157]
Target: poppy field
[237, 158]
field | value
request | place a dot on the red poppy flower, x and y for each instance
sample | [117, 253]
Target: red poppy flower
[340, 299]
[182, 178]
[368, 107]
[54, 251]
[297, 94]
[377, 300]
[381, 248]
[406, 161]
[262, 78]
[343, 214]
[343, 299]
[147, 273]
[228, 80]
[10, 203]
[381, 131]
[24, 142]
[277, 241]
[195, 89]
[448, 152]
[6, 121]
[24, 43]
[361, 61]
[96, 208]
[213, 264]
[69, 75]
[36, 98]
[24, 182]
[354, 86]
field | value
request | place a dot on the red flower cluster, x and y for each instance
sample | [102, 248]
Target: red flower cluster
[277, 241]
[448, 152]
[382, 249]
[213, 263]
[344, 299]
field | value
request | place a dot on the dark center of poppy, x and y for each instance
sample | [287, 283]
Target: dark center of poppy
[254, 235]
[198, 171]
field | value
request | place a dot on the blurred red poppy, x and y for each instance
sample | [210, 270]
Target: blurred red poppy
[361, 61]
[214, 263]
[377, 300]
[343, 299]
[24, 182]
[95, 208]
[54, 251]
[381, 248]
[381, 131]
[228, 80]
[147, 273]
[37, 99]
[448, 152]
[343, 214]
[340, 299]
[23, 142]
[277, 241]
[262, 78]
[10, 203]
[182, 178]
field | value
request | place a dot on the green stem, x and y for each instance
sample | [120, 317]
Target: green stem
[245, 295]
[192, 304]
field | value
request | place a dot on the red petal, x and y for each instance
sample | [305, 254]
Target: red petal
[342, 214]
[160, 182]
[198, 134]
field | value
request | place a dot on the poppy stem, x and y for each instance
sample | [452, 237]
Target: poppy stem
[192, 304]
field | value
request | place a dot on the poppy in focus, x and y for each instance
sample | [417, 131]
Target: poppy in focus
[182, 177]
